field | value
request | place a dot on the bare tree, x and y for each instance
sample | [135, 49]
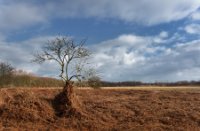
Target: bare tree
[94, 82]
[6, 72]
[72, 60]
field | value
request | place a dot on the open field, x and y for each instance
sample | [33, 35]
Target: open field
[159, 88]
[135, 108]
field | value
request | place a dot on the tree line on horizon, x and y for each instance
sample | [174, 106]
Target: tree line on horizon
[11, 77]
[139, 83]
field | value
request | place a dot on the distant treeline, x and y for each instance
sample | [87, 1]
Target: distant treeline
[10, 77]
[29, 81]
[138, 83]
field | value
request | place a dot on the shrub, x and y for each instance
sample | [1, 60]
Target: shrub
[94, 82]
[6, 73]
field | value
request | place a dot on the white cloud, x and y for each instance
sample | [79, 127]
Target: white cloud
[140, 59]
[161, 38]
[193, 29]
[127, 57]
[16, 14]
[196, 15]
[163, 34]
[20, 55]
[144, 11]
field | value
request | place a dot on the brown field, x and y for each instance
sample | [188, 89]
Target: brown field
[110, 109]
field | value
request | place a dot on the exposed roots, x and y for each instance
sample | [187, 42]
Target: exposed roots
[66, 103]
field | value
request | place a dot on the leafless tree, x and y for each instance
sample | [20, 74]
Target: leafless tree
[6, 72]
[72, 59]
[94, 82]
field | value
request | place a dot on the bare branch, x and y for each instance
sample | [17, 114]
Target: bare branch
[75, 76]
[38, 58]
[65, 52]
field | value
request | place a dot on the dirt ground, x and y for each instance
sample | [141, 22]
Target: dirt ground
[102, 110]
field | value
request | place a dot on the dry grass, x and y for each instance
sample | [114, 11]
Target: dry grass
[179, 88]
[109, 109]
[164, 88]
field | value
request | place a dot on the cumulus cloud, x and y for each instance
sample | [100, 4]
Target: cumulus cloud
[162, 57]
[161, 38]
[163, 34]
[193, 29]
[20, 55]
[196, 15]
[144, 11]
[20, 13]
[138, 58]
[127, 57]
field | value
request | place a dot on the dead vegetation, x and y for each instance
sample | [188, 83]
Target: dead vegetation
[32, 109]
[66, 103]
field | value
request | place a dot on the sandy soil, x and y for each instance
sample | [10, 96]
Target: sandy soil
[111, 109]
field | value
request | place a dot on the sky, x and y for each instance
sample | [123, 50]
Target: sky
[131, 40]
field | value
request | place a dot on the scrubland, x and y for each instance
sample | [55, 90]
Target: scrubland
[112, 109]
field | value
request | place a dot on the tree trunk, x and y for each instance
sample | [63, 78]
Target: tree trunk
[66, 102]
[68, 94]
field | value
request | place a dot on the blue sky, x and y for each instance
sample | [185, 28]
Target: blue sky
[146, 40]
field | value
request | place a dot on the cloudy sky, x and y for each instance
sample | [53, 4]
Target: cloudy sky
[142, 40]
